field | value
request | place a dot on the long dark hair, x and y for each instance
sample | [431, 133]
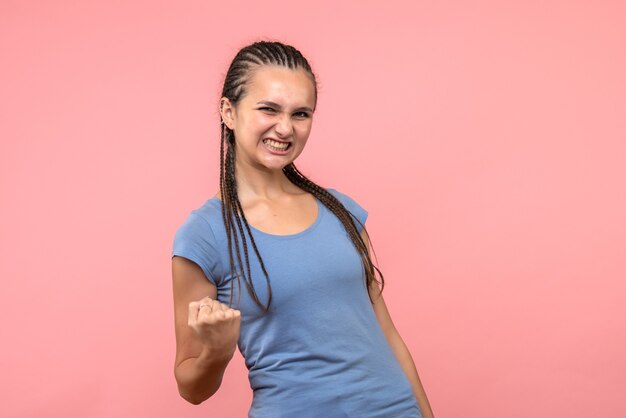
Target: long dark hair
[237, 228]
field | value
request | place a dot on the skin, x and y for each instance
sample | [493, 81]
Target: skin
[270, 201]
[279, 104]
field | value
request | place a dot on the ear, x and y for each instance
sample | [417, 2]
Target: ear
[227, 112]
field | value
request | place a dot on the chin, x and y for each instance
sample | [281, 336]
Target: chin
[277, 165]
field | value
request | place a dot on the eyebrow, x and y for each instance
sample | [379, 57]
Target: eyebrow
[265, 102]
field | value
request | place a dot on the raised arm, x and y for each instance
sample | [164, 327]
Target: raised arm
[206, 332]
[397, 345]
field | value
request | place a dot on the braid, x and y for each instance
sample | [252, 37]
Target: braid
[344, 216]
[231, 208]
[258, 54]
[235, 223]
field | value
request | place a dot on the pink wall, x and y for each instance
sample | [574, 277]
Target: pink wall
[486, 138]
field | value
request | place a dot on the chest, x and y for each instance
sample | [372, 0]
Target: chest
[319, 263]
[287, 217]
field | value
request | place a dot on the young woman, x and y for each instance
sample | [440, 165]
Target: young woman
[281, 267]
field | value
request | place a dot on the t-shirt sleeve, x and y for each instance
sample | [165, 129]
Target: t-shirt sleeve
[353, 207]
[195, 241]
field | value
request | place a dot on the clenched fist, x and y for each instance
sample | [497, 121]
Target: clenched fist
[216, 324]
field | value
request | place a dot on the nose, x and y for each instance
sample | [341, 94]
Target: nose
[284, 127]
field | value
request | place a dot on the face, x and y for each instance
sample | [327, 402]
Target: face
[273, 120]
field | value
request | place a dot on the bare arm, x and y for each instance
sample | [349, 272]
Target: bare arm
[206, 332]
[397, 345]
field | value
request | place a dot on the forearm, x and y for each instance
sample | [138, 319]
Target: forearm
[198, 378]
[408, 366]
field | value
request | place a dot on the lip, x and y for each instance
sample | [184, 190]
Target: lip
[271, 151]
[277, 140]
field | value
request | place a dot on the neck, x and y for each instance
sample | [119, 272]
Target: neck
[254, 183]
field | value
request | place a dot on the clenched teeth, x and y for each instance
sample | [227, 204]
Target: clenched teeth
[280, 146]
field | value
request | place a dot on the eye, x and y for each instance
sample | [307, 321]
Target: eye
[267, 109]
[301, 115]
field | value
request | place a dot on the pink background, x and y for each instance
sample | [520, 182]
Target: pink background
[486, 138]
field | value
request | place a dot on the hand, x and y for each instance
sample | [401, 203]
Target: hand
[216, 324]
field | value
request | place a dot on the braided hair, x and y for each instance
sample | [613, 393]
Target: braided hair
[237, 227]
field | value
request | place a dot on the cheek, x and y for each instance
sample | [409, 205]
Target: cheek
[261, 122]
[254, 123]
[304, 128]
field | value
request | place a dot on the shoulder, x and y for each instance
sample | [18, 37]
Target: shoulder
[199, 239]
[210, 211]
[351, 205]
[204, 221]
[345, 199]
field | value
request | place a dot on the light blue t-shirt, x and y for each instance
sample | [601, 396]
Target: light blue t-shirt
[319, 351]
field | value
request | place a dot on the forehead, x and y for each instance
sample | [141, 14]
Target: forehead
[281, 85]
